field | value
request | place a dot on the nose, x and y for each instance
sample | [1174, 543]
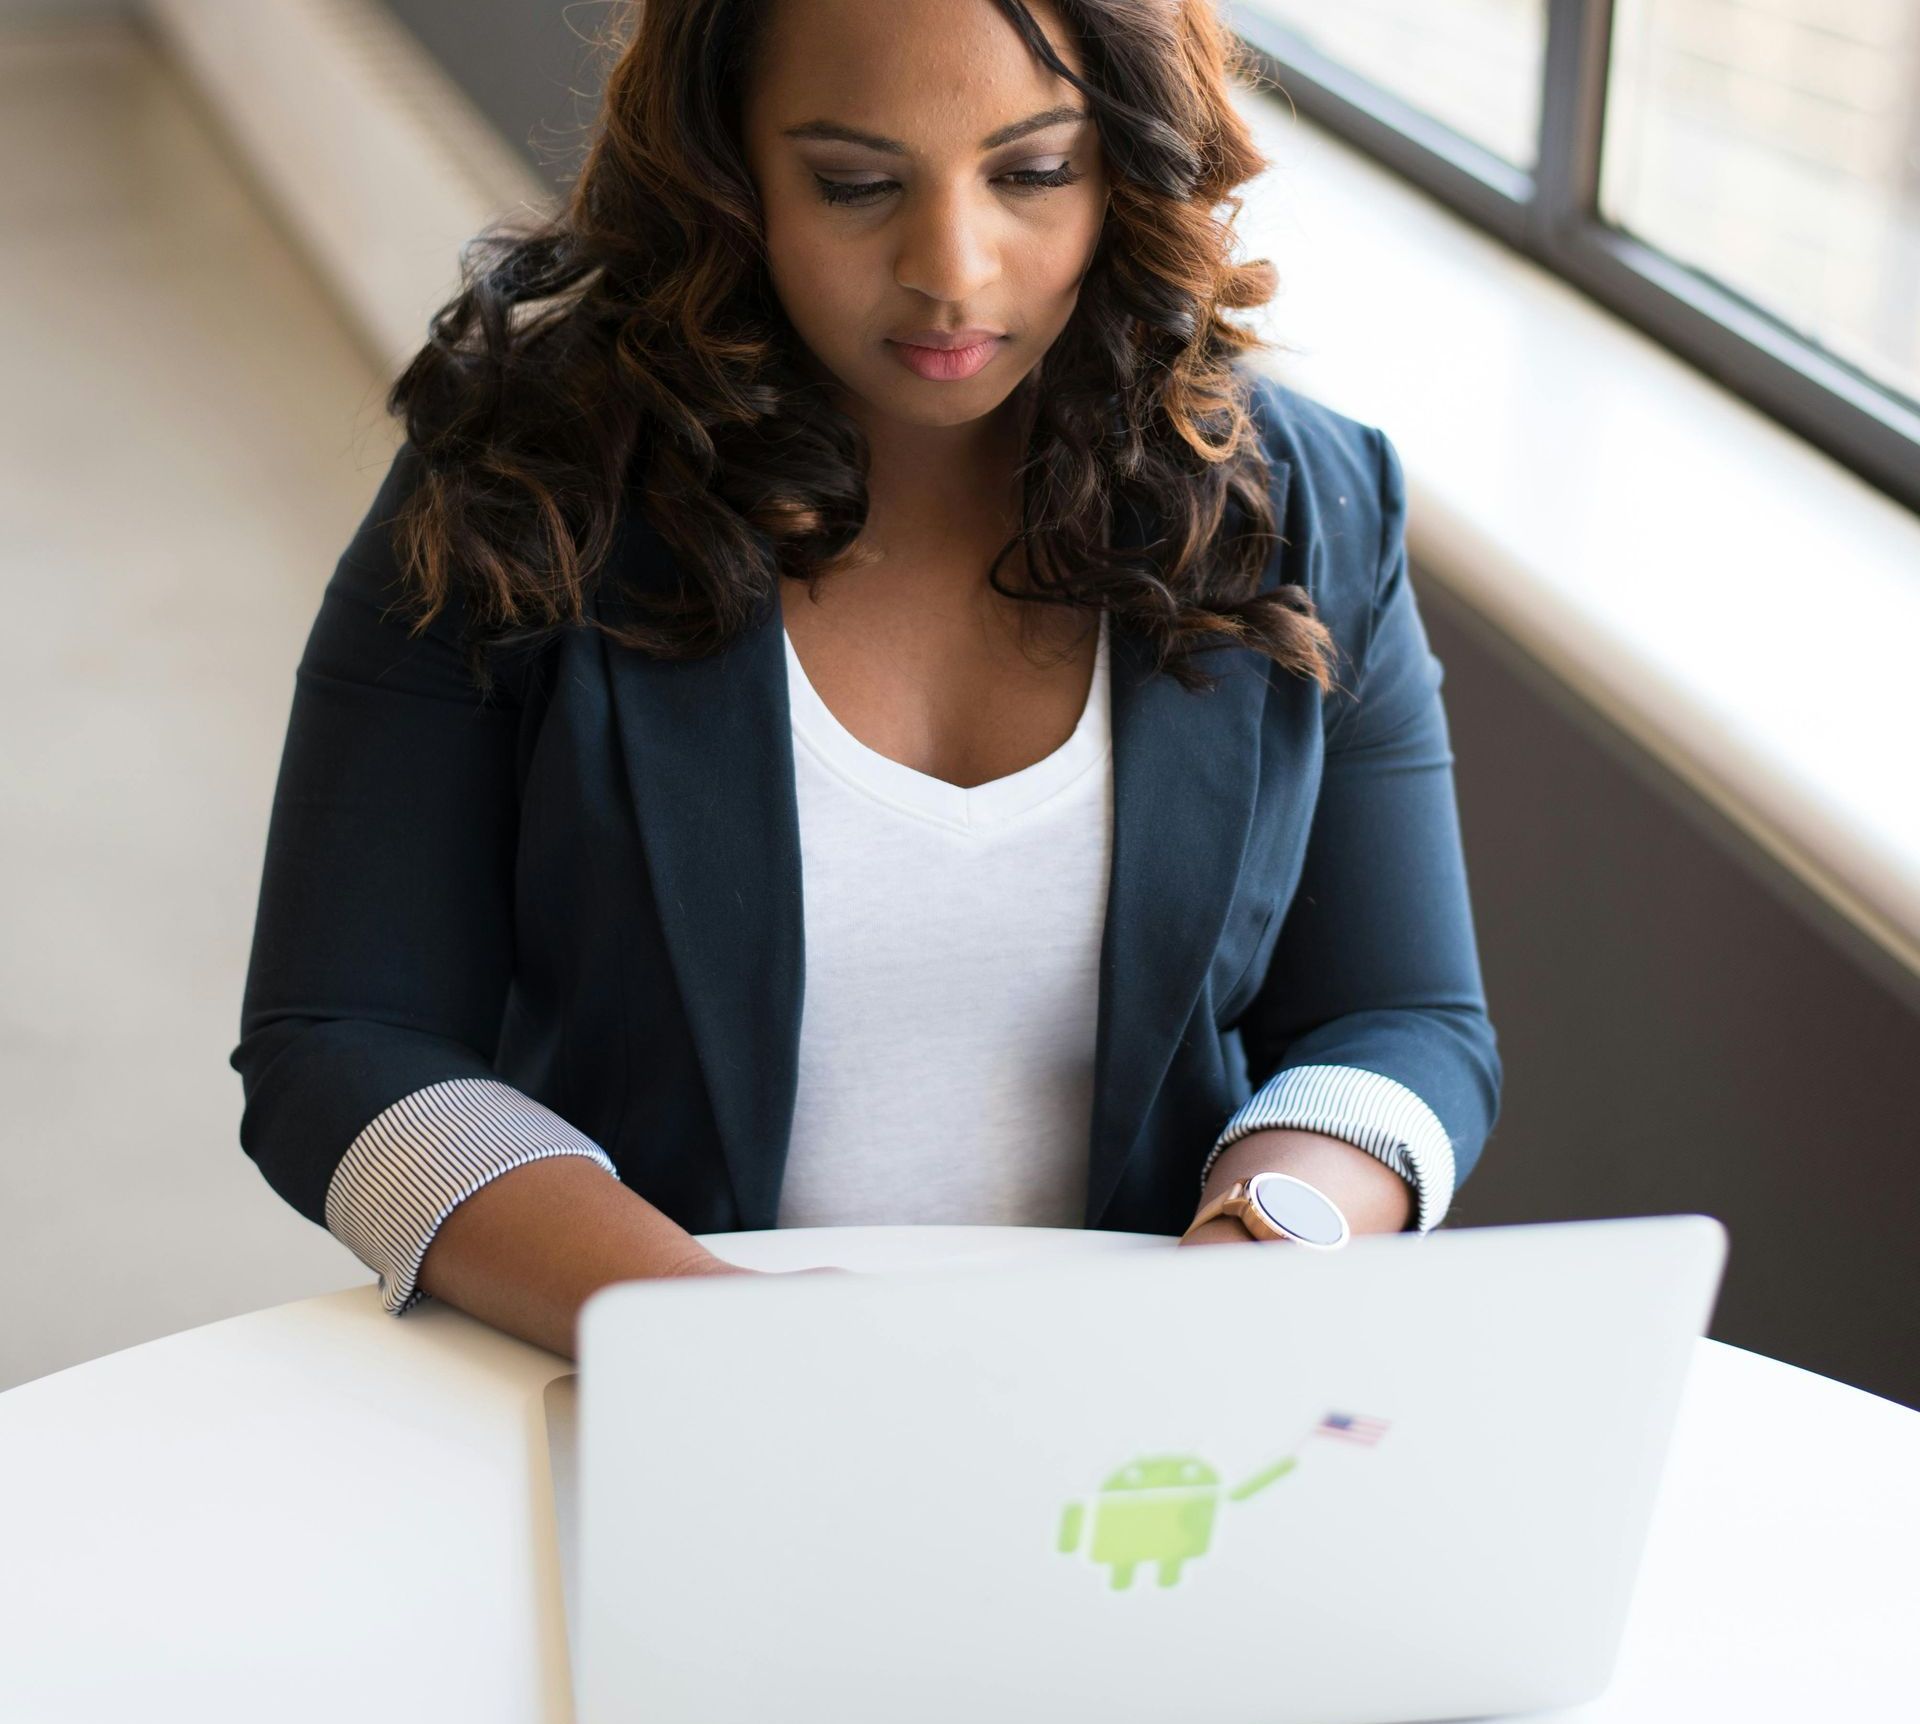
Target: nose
[948, 246]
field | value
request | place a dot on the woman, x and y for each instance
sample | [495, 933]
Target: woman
[858, 485]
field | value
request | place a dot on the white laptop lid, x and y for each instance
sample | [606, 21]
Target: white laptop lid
[1407, 1480]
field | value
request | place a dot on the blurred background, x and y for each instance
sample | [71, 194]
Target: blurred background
[1635, 287]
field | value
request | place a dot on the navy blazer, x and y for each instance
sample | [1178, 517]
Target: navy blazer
[588, 886]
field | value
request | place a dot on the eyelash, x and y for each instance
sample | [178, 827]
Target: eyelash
[843, 195]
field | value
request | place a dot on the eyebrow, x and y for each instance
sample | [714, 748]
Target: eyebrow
[831, 131]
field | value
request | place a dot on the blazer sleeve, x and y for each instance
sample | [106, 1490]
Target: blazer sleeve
[383, 939]
[1371, 1023]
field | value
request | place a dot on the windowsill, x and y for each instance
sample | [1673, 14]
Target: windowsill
[1644, 537]
[1660, 547]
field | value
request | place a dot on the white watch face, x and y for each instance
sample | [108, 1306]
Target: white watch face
[1294, 1205]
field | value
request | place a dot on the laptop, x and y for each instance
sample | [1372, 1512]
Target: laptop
[1411, 1479]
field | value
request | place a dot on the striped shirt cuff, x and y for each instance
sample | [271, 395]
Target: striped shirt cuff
[1366, 1109]
[415, 1162]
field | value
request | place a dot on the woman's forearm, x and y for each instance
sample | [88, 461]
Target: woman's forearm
[529, 1248]
[1374, 1197]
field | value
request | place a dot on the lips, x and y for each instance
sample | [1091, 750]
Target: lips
[947, 363]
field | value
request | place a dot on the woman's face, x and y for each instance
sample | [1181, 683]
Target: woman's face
[920, 171]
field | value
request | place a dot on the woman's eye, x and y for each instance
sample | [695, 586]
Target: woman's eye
[859, 193]
[848, 191]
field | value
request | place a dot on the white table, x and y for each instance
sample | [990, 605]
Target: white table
[319, 1512]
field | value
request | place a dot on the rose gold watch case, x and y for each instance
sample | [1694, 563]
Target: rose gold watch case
[1239, 1201]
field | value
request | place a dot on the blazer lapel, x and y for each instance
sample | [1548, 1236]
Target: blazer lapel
[708, 754]
[1186, 773]
[707, 750]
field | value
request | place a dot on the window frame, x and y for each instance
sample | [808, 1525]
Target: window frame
[1550, 214]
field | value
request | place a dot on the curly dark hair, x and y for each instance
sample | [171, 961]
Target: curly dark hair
[628, 351]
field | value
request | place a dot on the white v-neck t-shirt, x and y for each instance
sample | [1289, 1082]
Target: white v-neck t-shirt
[952, 978]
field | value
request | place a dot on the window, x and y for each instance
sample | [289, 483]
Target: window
[1741, 178]
[1473, 65]
[1777, 148]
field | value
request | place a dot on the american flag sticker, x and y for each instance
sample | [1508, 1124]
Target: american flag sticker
[1352, 1428]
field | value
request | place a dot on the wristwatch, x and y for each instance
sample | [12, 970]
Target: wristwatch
[1279, 1206]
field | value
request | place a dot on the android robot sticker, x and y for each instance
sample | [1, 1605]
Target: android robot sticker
[1158, 1510]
